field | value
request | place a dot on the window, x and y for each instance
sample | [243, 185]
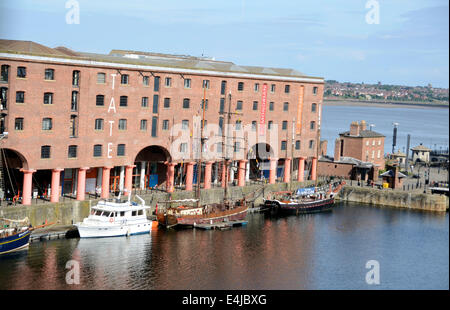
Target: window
[145, 80]
[311, 144]
[48, 98]
[45, 151]
[378, 154]
[219, 147]
[21, 72]
[72, 151]
[49, 74]
[155, 103]
[47, 124]
[165, 124]
[239, 105]
[166, 103]
[315, 90]
[312, 125]
[283, 145]
[255, 105]
[143, 124]
[168, 82]
[123, 101]
[99, 124]
[97, 150]
[297, 145]
[156, 86]
[186, 103]
[121, 150]
[271, 106]
[100, 100]
[73, 126]
[240, 86]
[270, 125]
[101, 78]
[3, 97]
[18, 123]
[253, 125]
[124, 79]
[272, 88]
[74, 103]
[284, 125]
[4, 74]
[373, 154]
[379, 142]
[220, 125]
[222, 105]
[183, 147]
[286, 106]
[20, 97]
[206, 105]
[205, 84]
[313, 107]
[367, 143]
[373, 142]
[287, 89]
[76, 78]
[256, 87]
[237, 147]
[122, 124]
[238, 125]
[144, 102]
[185, 124]
[223, 87]
[187, 83]
[154, 126]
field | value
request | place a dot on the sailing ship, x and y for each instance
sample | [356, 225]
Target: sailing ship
[15, 235]
[187, 214]
[303, 200]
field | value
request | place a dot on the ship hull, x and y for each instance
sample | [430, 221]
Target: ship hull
[16, 242]
[280, 207]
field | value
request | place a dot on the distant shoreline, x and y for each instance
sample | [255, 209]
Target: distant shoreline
[346, 102]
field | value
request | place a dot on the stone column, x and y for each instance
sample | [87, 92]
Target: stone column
[27, 186]
[106, 171]
[142, 179]
[314, 169]
[56, 176]
[242, 172]
[207, 178]
[301, 169]
[247, 171]
[170, 177]
[273, 170]
[128, 179]
[287, 170]
[121, 178]
[189, 175]
[81, 185]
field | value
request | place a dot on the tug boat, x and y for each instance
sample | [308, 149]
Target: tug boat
[14, 238]
[114, 218]
[304, 200]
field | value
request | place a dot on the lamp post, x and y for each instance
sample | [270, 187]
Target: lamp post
[394, 137]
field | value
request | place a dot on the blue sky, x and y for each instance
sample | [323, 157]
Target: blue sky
[327, 38]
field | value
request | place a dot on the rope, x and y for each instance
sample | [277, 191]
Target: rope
[7, 169]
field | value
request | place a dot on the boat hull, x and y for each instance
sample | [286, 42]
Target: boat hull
[90, 231]
[16, 242]
[322, 205]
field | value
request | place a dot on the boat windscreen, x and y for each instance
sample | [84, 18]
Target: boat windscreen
[98, 212]
[106, 213]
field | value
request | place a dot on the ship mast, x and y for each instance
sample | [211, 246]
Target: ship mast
[199, 162]
[319, 107]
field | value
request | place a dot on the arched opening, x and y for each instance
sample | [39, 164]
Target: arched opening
[258, 156]
[151, 170]
[11, 178]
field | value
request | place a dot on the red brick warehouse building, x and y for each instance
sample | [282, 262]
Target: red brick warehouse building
[72, 122]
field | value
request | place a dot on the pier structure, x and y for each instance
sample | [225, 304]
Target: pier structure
[75, 123]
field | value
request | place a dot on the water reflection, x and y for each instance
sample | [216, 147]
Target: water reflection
[320, 251]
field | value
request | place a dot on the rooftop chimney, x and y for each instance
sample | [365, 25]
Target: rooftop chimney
[363, 125]
[354, 129]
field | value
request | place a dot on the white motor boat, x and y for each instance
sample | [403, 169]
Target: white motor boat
[113, 218]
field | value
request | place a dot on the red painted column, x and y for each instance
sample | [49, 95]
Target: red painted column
[170, 177]
[105, 182]
[287, 170]
[27, 184]
[207, 178]
[273, 170]
[241, 172]
[314, 169]
[128, 186]
[81, 183]
[301, 169]
[189, 175]
[56, 175]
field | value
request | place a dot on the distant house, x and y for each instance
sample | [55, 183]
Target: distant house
[420, 153]
[393, 177]
[399, 157]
